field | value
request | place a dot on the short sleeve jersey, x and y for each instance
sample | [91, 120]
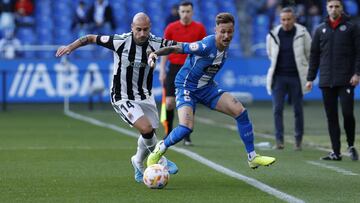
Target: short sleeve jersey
[202, 64]
[176, 31]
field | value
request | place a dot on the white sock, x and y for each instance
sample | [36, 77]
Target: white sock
[251, 155]
[162, 147]
[145, 146]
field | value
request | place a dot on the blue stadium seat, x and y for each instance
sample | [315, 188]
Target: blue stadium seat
[121, 30]
[169, 3]
[154, 6]
[261, 26]
[62, 22]
[44, 35]
[25, 34]
[351, 7]
[112, 2]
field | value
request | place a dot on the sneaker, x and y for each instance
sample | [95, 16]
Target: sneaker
[169, 165]
[353, 153]
[259, 160]
[187, 141]
[138, 172]
[172, 168]
[279, 146]
[297, 146]
[155, 155]
[332, 157]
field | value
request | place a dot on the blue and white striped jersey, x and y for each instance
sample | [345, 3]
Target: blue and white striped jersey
[202, 64]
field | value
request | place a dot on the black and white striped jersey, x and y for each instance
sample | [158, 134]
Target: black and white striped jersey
[132, 77]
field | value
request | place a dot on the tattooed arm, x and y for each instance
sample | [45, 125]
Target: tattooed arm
[82, 41]
[177, 49]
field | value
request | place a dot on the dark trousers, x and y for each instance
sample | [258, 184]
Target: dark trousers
[291, 86]
[330, 99]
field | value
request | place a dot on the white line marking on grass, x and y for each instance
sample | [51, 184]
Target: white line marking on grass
[333, 168]
[267, 136]
[253, 182]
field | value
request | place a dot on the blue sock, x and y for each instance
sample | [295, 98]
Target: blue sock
[176, 135]
[246, 131]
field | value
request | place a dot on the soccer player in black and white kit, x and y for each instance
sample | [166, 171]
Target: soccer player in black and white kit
[131, 94]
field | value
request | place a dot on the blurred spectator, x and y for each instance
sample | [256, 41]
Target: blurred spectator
[100, 17]
[24, 7]
[269, 8]
[79, 20]
[174, 15]
[23, 11]
[308, 12]
[9, 45]
[7, 20]
[314, 15]
[79, 23]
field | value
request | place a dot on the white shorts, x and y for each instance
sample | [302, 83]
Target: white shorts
[130, 111]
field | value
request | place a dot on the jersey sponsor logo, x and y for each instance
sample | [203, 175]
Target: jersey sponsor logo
[138, 64]
[130, 116]
[104, 39]
[194, 46]
[213, 69]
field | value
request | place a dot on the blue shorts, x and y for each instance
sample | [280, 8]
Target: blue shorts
[209, 96]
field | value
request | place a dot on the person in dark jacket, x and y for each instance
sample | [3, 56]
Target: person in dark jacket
[100, 16]
[335, 51]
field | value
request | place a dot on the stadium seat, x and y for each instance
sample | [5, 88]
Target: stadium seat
[351, 7]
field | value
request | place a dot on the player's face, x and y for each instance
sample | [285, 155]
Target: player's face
[185, 13]
[287, 20]
[224, 34]
[141, 31]
[334, 9]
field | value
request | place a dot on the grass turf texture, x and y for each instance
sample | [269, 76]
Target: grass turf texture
[48, 157]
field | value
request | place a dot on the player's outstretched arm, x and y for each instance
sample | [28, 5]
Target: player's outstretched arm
[177, 49]
[82, 41]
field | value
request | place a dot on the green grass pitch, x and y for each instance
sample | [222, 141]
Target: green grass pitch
[49, 157]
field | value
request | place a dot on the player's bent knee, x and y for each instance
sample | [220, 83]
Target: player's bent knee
[237, 111]
[145, 129]
[148, 135]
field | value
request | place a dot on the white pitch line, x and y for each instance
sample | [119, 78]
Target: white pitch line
[263, 135]
[251, 181]
[333, 168]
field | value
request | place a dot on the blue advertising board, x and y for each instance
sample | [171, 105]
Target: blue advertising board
[52, 80]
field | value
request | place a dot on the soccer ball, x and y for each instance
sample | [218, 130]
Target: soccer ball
[156, 176]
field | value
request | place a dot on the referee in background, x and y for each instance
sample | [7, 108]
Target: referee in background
[183, 30]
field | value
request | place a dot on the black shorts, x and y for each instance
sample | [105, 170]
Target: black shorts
[170, 79]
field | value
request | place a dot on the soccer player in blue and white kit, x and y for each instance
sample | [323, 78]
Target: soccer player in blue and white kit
[194, 84]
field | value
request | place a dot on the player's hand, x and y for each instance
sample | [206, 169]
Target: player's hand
[62, 51]
[309, 85]
[354, 80]
[152, 59]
